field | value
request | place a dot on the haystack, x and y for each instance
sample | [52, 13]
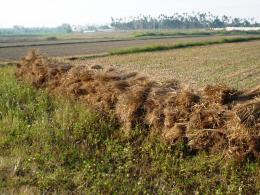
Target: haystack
[215, 119]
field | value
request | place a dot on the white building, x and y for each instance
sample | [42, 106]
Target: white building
[238, 29]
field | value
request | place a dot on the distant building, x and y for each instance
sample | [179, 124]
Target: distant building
[242, 28]
[89, 31]
[105, 30]
[91, 28]
[238, 29]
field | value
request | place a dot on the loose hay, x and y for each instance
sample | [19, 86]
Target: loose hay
[216, 119]
[249, 113]
[211, 116]
[220, 94]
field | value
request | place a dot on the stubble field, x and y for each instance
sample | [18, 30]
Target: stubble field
[233, 64]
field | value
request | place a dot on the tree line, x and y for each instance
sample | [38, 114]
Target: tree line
[21, 30]
[181, 21]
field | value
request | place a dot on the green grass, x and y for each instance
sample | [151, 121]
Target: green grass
[53, 38]
[161, 34]
[195, 33]
[55, 145]
[181, 45]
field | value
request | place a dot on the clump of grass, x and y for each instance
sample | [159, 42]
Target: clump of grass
[54, 145]
[180, 45]
[51, 38]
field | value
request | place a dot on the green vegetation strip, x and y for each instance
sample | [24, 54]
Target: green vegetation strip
[181, 45]
[53, 145]
[196, 33]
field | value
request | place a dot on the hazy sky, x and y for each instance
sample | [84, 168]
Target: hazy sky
[55, 12]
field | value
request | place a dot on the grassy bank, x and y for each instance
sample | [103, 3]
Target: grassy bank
[181, 45]
[195, 33]
[51, 144]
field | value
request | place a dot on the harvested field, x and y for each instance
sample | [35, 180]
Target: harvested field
[216, 119]
[234, 64]
[72, 48]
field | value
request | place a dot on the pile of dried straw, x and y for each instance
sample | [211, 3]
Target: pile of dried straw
[216, 118]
